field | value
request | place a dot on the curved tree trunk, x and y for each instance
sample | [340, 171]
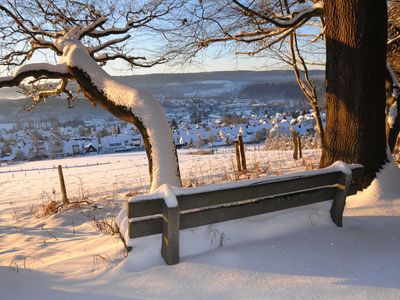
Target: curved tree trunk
[356, 33]
[130, 104]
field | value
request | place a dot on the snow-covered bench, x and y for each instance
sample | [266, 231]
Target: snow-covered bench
[170, 209]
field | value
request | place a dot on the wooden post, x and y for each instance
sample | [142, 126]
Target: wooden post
[296, 144]
[242, 153]
[340, 199]
[170, 234]
[299, 144]
[62, 184]
[239, 164]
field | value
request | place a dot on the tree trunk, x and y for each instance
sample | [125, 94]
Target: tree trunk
[96, 96]
[299, 144]
[356, 33]
[296, 145]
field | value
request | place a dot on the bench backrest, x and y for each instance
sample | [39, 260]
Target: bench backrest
[150, 215]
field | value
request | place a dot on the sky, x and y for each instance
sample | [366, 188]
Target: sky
[143, 42]
[211, 60]
[220, 57]
[204, 63]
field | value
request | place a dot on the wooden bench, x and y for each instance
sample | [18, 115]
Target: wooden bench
[151, 214]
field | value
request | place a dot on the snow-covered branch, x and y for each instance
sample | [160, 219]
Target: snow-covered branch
[293, 20]
[136, 61]
[42, 70]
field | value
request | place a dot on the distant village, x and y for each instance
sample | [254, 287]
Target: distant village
[201, 127]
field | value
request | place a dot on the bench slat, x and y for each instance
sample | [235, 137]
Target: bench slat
[145, 227]
[145, 208]
[255, 191]
[261, 206]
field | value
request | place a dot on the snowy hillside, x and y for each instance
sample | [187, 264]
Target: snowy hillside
[297, 253]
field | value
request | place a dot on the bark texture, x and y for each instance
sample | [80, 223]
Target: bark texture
[356, 34]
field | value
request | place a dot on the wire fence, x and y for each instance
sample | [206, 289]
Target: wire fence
[52, 168]
[123, 175]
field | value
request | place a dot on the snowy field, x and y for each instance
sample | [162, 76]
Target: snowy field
[116, 175]
[297, 253]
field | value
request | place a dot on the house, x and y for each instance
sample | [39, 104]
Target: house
[20, 150]
[75, 146]
[280, 128]
[120, 143]
[38, 149]
[184, 137]
[89, 149]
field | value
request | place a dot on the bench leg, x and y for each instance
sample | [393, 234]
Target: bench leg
[340, 199]
[170, 235]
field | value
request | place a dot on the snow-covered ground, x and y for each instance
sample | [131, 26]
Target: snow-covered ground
[116, 175]
[297, 253]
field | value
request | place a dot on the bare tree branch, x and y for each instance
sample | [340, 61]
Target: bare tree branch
[108, 43]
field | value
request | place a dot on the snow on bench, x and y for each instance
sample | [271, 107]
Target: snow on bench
[170, 209]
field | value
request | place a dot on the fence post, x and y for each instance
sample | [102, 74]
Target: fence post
[170, 234]
[62, 184]
[242, 153]
[339, 201]
[299, 142]
[237, 151]
[296, 144]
